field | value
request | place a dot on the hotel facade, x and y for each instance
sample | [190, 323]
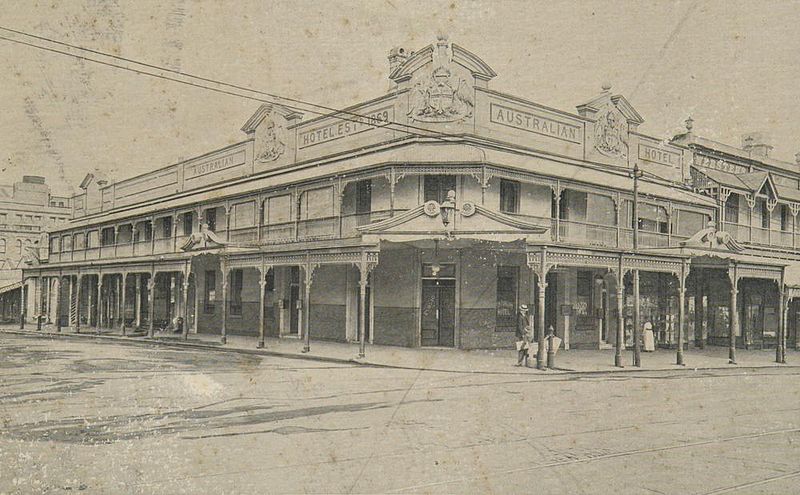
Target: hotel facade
[424, 217]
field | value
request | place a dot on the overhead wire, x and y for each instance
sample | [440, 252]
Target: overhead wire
[276, 99]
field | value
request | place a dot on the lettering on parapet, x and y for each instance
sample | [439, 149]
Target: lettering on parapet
[210, 166]
[344, 128]
[661, 156]
[536, 123]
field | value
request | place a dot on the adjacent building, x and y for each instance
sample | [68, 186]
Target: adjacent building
[426, 215]
[27, 212]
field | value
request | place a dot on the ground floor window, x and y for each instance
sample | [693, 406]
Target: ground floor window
[210, 293]
[237, 278]
[507, 284]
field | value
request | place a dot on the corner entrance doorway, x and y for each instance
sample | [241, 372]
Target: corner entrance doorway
[438, 325]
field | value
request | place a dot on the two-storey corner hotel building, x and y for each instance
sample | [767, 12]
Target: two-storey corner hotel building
[427, 215]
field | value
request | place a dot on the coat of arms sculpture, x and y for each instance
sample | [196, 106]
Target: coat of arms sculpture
[443, 96]
[610, 133]
[273, 143]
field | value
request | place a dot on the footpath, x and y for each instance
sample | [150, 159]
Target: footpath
[500, 361]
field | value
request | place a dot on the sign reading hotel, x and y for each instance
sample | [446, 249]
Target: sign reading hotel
[536, 123]
[344, 128]
[659, 155]
[214, 165]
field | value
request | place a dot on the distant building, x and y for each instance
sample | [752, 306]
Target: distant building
[27, 212]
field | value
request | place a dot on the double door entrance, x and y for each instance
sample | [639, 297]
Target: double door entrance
[438, 326]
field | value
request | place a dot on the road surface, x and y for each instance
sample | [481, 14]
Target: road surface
[103, 417]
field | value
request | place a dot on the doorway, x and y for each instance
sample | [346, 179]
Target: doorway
[438, 315]
[294, 300]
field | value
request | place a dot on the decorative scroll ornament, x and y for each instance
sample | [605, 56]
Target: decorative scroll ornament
[273, 142]
[431, 208]
[204, 239]
[712, 238]
[467, 209]
[443, 97]
[611, 133]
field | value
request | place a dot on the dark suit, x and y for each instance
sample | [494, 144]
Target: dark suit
[523, 334]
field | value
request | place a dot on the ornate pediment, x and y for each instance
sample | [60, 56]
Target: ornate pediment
[614, 119]
[447, 220]
[713, 239]
[205, 239]
[268, 126]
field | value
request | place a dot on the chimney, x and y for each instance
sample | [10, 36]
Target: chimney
[32, 179]
[756, 144]
[397, 56]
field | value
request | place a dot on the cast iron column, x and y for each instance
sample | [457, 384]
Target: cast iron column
[681, 318]
[122, 302]
[309, 271]
[362, 310]
[185, 329]
[151, 293]
[637, 345]
[58, 304]
[224, 337]
[780, 350]
[78, 288]
[734, 317]
[540, 351]
[262, 301]
[620, 337]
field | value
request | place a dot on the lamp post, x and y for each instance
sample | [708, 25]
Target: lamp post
[636, 173]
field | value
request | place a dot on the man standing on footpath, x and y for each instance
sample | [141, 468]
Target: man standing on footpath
[523, 335]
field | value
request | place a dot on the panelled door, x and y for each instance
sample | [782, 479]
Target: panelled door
[438, 312]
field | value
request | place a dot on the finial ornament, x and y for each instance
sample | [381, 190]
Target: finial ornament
[606, 86]
[689, 123]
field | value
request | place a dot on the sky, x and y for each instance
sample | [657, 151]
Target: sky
[731, 65]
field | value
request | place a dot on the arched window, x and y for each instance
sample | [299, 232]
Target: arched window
[19, 246]
[2, 246]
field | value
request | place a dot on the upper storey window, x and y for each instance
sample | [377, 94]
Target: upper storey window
[107, 236]
[316, 203]
[437, 186]
[278, 209]
[509, 196]
[732, 208]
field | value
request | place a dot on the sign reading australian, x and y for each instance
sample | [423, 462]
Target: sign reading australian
[536, 123]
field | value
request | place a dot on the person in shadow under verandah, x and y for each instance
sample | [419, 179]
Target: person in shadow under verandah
[523, 334]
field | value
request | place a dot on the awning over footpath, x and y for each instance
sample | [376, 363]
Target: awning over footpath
[8, 288]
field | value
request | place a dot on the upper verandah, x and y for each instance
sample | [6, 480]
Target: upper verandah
[439, 93]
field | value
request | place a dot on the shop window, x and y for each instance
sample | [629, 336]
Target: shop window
[507, 290]
[585, 280]
[188, 222]
[237, 281]
[436, 187]
[509, 196]
[209, 292]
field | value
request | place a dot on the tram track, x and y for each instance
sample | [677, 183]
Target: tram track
[615, 455]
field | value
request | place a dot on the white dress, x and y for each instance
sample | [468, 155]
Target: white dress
[649, 338]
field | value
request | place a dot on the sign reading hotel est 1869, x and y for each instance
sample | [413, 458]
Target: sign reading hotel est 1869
[536, 123]
[659, 155]
[206, 167]
[343, 128]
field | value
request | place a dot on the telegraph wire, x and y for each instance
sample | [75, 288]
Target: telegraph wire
[329, 111]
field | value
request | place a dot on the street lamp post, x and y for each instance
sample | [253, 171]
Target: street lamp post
[637, 348]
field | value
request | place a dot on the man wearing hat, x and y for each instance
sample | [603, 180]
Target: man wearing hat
[523, 334]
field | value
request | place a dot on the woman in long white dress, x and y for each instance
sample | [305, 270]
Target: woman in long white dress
[649, 338]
